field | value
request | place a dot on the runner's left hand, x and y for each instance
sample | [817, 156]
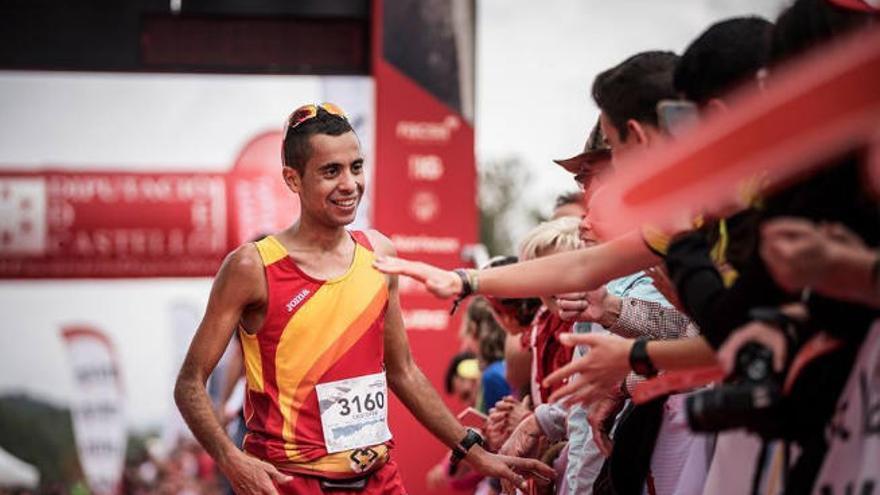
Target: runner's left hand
[513, 410]
[513, 469]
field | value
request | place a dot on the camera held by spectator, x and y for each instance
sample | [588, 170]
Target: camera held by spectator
[750, 399]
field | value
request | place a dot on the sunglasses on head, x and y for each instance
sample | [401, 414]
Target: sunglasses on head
[310, 111]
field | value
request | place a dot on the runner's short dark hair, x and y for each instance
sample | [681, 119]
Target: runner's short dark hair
[296, 149]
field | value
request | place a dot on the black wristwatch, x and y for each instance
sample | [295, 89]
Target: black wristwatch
[639, 360]
[460, 451]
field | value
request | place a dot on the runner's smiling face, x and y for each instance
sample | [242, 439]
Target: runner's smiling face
[332, 183]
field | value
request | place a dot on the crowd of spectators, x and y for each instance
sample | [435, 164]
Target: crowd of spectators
[722, 352]
[186, 469]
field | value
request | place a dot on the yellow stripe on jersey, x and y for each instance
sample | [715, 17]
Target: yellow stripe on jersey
[253, 361]
[270, 250]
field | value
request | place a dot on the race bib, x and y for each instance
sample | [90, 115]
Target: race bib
[354, 412]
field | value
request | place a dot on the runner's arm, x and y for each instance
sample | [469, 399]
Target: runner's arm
[235, 287]
[404, 376]
[417, 393]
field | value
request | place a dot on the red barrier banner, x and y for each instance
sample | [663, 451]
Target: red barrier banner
[812, 109]
[676, 382]
[64, 224]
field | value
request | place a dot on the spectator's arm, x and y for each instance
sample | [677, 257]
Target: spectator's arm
[571, 271]
[681, 353]
[639, 318]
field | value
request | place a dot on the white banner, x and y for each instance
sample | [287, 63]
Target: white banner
[96, 408]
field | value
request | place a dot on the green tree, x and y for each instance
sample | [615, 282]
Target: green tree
[40, 434]
[504, 210]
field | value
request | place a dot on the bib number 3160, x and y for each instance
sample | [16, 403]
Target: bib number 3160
[370, 403]
[354, 412]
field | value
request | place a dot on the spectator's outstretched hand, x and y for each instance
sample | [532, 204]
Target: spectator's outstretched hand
[840, 234]
[504, 417]
[523, 440]
[796, 252]
[496, 429]
[582, 306]
[601, 370]
[601, 420]
[442, 283]
[799, 253]
[515, 411]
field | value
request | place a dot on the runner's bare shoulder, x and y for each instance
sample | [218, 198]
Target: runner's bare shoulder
[242, 272]
[382, 245]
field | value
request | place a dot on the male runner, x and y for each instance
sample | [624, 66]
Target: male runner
[322, 335]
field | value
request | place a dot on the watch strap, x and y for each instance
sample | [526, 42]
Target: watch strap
[639, 360]
[461, 450]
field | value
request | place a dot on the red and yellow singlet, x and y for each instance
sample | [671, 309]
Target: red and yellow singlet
[315, 331]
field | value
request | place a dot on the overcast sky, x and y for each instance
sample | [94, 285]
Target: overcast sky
[536, 62]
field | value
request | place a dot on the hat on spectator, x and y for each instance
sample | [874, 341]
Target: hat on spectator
[595, 150]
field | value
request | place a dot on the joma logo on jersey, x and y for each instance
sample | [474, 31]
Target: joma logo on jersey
[297, 299]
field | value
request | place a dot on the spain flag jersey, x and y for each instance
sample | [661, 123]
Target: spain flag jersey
[315, 332]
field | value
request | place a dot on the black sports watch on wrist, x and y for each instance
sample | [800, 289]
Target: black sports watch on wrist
[639, 360]
[460, 451]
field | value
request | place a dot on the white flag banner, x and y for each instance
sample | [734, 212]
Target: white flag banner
[96, 408]
[852, 465]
